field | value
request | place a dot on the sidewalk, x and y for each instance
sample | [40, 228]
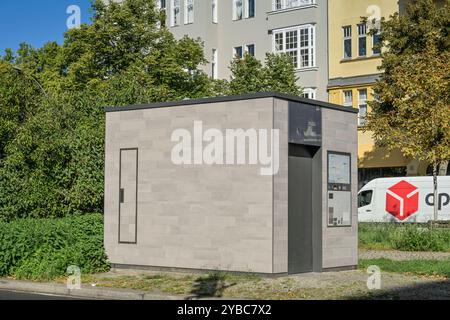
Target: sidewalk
[87, 292]
[403, 255]
[146, 285]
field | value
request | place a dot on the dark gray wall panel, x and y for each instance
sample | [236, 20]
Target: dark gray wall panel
[305, 124]
[300, 219]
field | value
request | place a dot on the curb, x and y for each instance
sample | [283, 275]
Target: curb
[87, 292]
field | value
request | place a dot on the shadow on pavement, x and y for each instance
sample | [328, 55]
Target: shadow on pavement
[210, 286]
[436, 290]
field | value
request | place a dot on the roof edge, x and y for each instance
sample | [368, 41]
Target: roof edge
[218, 99]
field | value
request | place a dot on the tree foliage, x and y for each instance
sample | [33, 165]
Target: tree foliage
[19, 97]
[413, 109]
[249, 75]
[52, 100]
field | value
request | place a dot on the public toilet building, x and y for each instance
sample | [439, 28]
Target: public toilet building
[263, 183]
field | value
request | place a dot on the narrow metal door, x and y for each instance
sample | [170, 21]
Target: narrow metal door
[128, 188]
[300, 246]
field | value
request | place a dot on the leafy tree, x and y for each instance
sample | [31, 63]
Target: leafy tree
[52, 99]
[54, 164]
[19, 97]
[412, 112]
[124, 40]
[249, 75]
[280, 75]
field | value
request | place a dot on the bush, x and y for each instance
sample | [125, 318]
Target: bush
[376, 235]
[54, 166]
[42, 249]
[414, 238]
[406, 237]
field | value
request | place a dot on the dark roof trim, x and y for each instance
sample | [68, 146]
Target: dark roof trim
[354, 81]
[250, 96]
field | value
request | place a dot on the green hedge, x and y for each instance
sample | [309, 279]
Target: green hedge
[406, 237]
[42, 249]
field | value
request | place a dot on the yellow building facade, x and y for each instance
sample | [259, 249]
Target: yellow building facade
[354, 65]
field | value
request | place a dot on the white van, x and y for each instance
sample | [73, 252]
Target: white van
[405, 199]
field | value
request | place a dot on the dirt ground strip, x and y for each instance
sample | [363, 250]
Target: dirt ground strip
[316, 286]
[402, 255]
[353, 285]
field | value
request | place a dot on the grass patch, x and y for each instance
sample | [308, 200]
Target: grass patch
[344, 285]
[174, 285]
[404, 237]
[212, 284]
[439, 268]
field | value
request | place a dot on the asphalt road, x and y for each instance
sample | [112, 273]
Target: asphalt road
[14, 295]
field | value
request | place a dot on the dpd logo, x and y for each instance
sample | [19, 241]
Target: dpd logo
[402, 200]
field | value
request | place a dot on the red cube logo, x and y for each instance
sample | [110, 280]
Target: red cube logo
[402, 200]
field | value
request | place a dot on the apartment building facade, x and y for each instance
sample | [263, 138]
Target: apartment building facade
[354, 62]
[233, 27]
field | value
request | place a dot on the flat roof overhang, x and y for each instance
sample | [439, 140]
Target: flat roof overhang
[249, 96]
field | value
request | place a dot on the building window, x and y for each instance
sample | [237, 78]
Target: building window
[348, 98]
[376, 96]
[362, 41]
[376, 38]
[214, 73]
[251, 49]
[161, 6]
[297, 42]
[288, 4]
[309, 93]
[362, 105]
[365, 175]
[175, 13]
[250, 8]
[279, 44]
[292, 46]
[306, 47]
[214, 10]
[238, 52]
[188, 11]
[347, 42]
[277, 5]
[237, 9]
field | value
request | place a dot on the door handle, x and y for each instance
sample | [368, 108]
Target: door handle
[122, 195]
[368, 210]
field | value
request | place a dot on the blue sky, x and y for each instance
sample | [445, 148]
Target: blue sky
[36, 21]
